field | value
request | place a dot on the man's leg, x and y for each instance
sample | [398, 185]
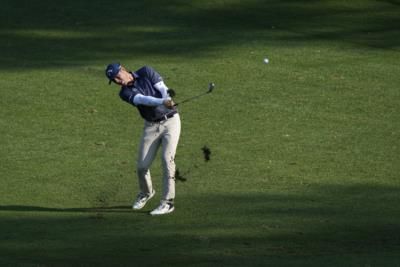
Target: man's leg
[170, 141]
[149, 144]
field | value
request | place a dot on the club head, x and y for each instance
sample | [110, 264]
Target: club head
[211, 87]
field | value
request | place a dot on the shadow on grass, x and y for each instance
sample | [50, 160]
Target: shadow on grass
[359, 223]
[93, 209]
[46, 33]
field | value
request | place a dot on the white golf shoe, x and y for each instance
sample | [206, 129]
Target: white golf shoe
[164, 208]
[142, 199]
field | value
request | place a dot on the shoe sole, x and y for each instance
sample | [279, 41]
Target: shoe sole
[150, 197]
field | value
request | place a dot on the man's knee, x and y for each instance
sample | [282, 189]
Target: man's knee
[168, 160]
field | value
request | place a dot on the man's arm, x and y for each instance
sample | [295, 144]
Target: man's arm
[160, 86]
[140, 99]
[168, 102]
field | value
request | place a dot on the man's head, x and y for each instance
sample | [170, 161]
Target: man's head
[112, 71]
[115, 72]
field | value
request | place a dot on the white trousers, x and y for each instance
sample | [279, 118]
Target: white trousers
[165, 134]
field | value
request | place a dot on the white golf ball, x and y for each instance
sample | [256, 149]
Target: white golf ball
[266, 60]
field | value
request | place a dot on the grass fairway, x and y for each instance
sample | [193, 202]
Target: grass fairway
[305, 160]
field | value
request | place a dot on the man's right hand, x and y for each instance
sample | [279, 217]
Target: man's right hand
[169, 103]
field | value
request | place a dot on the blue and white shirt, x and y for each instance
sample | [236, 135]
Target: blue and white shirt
[148, 94]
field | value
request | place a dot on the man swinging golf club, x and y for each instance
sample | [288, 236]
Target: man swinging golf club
[146, 90]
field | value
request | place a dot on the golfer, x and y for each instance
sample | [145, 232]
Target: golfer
[146, 90]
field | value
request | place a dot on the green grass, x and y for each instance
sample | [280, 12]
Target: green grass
[304, 168]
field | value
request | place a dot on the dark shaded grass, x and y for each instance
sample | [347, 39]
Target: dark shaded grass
[354, 224]
[37, 34]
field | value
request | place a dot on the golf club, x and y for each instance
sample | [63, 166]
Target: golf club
[211, 87]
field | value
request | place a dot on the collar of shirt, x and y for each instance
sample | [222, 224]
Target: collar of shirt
[134, 74]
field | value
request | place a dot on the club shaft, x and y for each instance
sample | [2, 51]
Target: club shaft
[191, 98]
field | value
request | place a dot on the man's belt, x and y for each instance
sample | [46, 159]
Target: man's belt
[165, 117]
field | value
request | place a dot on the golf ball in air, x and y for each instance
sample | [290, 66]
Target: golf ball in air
[266, 60]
